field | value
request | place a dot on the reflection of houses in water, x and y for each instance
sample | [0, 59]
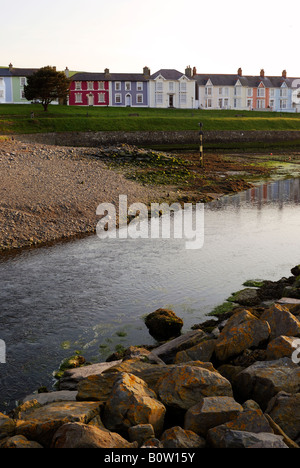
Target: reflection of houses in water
[279, 192]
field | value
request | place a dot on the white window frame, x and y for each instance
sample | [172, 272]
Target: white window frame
[139, 99]
[101, 98]
[118, 98]
[159, 86]
[183, 87]
[90, 86]
[118, 86]
[249, 92]
[183, 98]
[208, 103]
[139, 86]
[261, 92]
[261, 104]
[250, 103]
[208, 90]
[127, 85]
[78, 97]
[23, 81]
[78, 85]
[171, 86]
[101, 85]
[159, 98]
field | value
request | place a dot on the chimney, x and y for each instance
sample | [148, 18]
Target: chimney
[240, 72]
[194, 71]
[188, 72]
[10, 66]
[284, 74]
[67, 73]
[146, 72]
[106, 71]
[262, 73]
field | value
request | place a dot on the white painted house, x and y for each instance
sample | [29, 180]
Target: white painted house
[172, 89]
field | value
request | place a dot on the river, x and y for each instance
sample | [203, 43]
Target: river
[91, 295]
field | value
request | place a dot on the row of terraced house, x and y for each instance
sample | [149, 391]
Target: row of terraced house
[167, 88]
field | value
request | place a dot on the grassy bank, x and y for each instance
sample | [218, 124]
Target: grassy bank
[17, 119]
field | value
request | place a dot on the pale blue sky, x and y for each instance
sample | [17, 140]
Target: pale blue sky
[126, 35]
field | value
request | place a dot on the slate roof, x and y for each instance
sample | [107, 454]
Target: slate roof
[247, 80]
[168, 74]
[85, 76]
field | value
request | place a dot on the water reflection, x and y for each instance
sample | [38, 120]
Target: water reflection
[90, 295]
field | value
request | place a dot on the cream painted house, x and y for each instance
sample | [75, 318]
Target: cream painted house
[172, 89]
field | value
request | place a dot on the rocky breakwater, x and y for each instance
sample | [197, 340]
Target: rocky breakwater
[232, 381]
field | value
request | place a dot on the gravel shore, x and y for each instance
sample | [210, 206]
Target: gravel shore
[50, 193]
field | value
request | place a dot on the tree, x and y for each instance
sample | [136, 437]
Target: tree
[47, 85]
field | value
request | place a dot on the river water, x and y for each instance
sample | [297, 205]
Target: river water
[91, 295]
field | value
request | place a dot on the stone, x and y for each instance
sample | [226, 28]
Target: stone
[96, 387]
[7, 426]
[211, 412]
[282, 346]
[184, 385]
[141, 433]
[50, 397]
[177, 437]
[132, 402]
[79, 435]
[284, 409]
[21, 442]
[281, 321]
[243, 439]
[263, 380]
[168, 351]
[246, 297]
[163, 324]
[200, 352]
[71, 377]
[242, 331]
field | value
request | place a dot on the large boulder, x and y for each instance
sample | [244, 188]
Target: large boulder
[200, 352]
[184, 385]
[130, 403]
[71, 377]
[163, 324]
[263, 380]
[282, 346]
[168, 350]
[78, 435]
[211, 412]
[21, 442]
[242, 331]
[7, 426]
[284, 409]
[242, 439]
[281, 321]
[246, 297]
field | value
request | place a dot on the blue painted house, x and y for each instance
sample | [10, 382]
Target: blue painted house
[6, 92]
[130, 89]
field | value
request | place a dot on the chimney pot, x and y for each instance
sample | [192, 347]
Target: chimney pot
[240, 72]
[262, 73]
[194, 71]
[188, 72]
[284, 74]
[10, 66]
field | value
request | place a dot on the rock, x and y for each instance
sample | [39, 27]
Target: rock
[96, 387]
[184, 385]
[152, 443]
[7, 426]
[278, 431]
[201, 352]
[230, 372]
[244, 439]
[176, 437]
[50, 397]
[242, 331]
[284, 409]
[79, 435]
[282, 346]
[71, 377]
[132, 402]
[263, 380]
[281, 321]
[168, 351]
[246, 297]
[296, 270]
[21, 442]
[141, 433]
[163, 324]
[211, 412]
[250, 420]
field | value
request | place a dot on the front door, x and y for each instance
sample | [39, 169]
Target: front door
[90, 99]
[128, 100]
[171, 100]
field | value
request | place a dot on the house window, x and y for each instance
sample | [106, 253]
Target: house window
[272, 92]
[22, 94]
[23, 82]
[159, 98]
[78, 85]
[171, 86]
[101, 85]
[1, 94]
[226, 103]
[220, 102]
[208, 103]
[249, 103]
[139, 99]
[90, 85]
[117, 86]
[78, 97]
[283, 104]
[237, 103]
[250, 92]
[139, 86]
[238, 90]
[283, 92]
[260, 92]
[183, 98]
[159, 86]
[183, 86]
[220, 92]
[127, 86]
[101, 98]
[118, 99]
[272, 103]
[261, 104]
[226, 91]
[208, 91]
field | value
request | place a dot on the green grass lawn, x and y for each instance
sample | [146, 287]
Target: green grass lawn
[17, 119]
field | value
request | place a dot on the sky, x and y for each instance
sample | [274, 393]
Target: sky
[127, 35]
